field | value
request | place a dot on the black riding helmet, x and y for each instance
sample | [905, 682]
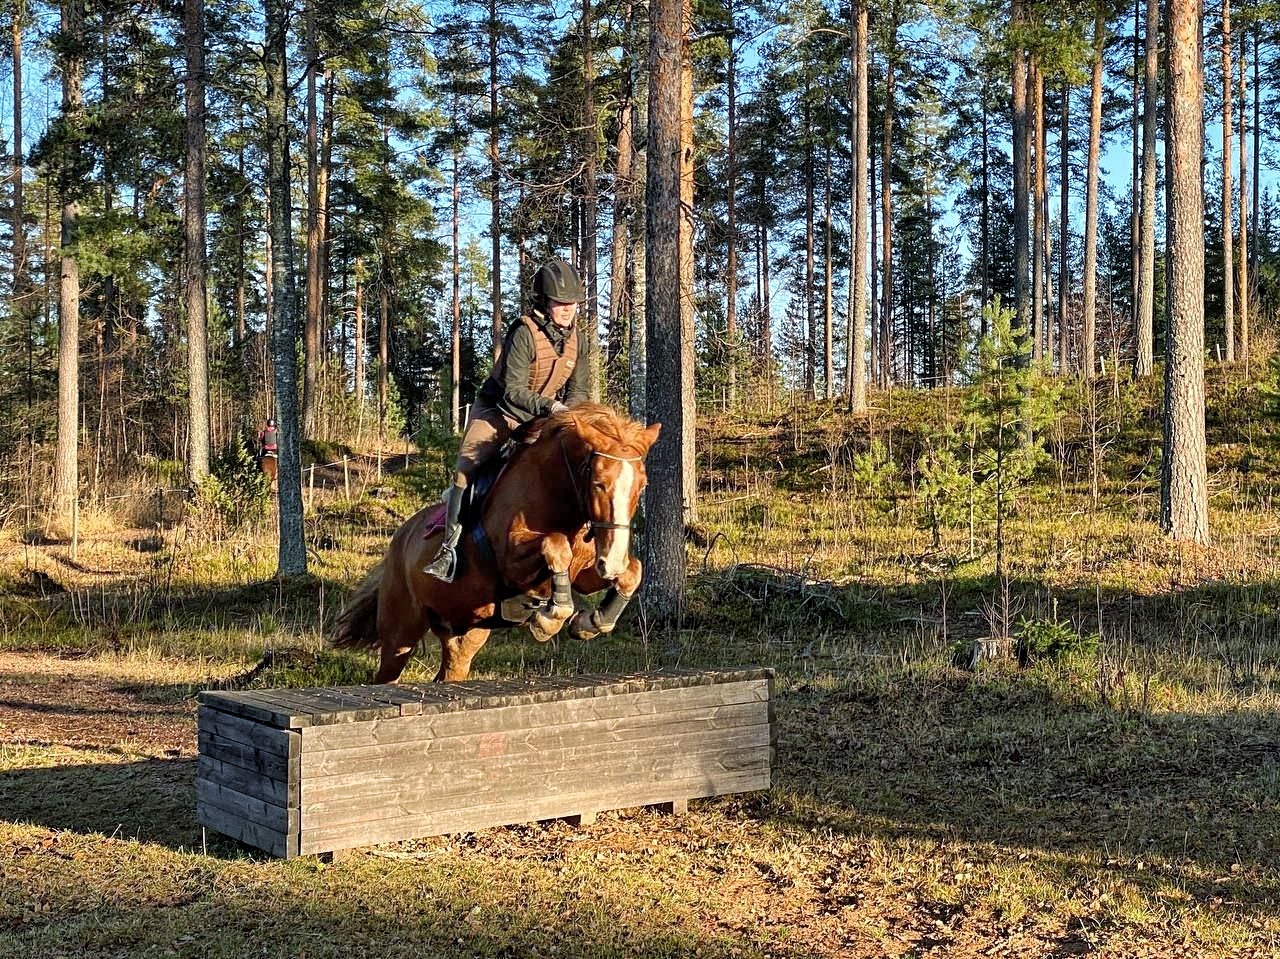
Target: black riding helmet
[557, 282]
[271, 421]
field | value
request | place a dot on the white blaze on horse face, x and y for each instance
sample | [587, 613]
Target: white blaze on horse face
[615, 560]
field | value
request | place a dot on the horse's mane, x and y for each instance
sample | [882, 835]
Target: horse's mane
[622, 431]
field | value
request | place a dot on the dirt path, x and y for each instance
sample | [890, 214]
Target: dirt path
[98, 703]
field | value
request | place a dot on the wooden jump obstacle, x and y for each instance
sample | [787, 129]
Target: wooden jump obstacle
[305, 771]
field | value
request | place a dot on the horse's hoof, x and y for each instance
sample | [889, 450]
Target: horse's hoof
[581, 627]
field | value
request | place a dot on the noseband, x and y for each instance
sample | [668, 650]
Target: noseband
[577, 492]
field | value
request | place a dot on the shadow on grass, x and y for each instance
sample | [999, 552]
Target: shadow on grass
[152, 800]
[381, 909]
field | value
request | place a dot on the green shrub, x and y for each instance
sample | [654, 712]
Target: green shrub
[234, 493]
[1043, 639]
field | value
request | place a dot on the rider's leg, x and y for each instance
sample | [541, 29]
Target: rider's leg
[486, 431]
[443, 564]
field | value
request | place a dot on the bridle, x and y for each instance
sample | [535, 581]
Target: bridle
[577, 491]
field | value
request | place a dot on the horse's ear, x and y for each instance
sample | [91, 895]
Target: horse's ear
[651, 435]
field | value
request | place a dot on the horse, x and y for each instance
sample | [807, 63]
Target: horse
[556, 521]
[268, 462]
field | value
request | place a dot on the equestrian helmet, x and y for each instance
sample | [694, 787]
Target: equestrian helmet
[558, 282]
[271, 421]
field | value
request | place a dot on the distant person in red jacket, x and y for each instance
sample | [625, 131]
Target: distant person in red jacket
[542, 369]
[269, 439]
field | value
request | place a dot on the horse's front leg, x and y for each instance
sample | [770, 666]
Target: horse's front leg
[547, 621]
[587, 624]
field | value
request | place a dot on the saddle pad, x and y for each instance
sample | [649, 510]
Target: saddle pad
[434, 521]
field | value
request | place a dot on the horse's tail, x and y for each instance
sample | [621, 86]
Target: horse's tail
[357, 624]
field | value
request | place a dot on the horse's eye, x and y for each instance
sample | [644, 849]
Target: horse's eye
[600, 487]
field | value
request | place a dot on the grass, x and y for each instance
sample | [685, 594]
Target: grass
[1117, 802]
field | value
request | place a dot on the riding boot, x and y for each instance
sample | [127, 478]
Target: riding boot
[445, 563]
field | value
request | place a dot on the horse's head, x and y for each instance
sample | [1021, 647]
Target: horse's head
[612, 475]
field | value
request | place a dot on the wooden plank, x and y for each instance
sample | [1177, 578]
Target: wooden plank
[261, 761]
[611, 789]
[408, 700]
[337, 706]
[259, 707]
[266, 705]
[452, 781]
[318, 763]
[238, 729]
[275, 791]
[441, 725]
[279, 818]
[528, 809]
[250, 833]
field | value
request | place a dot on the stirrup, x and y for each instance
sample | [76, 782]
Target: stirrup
[444, 565]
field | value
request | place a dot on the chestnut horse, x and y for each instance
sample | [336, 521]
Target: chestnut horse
[268, 464]
[557, 520]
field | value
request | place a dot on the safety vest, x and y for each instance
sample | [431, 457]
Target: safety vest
[269, 438]
[550, 370]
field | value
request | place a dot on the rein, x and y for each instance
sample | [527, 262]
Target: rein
[577, 491]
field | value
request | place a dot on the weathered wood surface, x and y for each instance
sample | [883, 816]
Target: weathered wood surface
[296, 708]
[430, 822]
[315, 770]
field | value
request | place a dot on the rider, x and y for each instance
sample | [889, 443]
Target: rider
[269, 439]
[543, 368]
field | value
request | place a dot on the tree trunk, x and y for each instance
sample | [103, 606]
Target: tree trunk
[195, 252]
[810, 325]
[1184, 507]
[1135, 189]
[688, 343]
[1243, 281]
[766, 312]
[1021, 217]
[455, 327]
[857, 368]
[323, 179]
[66, 478]
[1088, 341]
[1147, 268]
[20, 304]
[384, 333]
[358, 337]
[886, 209]
[1064, 233]
[665, 564]
[1036, 93]
[637, 352]
[1228, 206]
[284, 331]
[731, 189]
[1257, 162]
[590, 144]
[495, 184]
[241, 325]
[828, 302]
[986, 215]
[311, 332]
[620, 314]
[872, 246]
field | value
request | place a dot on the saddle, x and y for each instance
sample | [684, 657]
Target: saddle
[473, 500]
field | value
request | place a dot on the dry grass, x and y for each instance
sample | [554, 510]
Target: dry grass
[1120, 803]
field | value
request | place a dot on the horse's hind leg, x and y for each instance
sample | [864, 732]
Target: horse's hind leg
[394, 655]
[456, 653]
[398, 636]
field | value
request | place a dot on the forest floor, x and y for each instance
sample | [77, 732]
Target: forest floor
[1119, 799]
